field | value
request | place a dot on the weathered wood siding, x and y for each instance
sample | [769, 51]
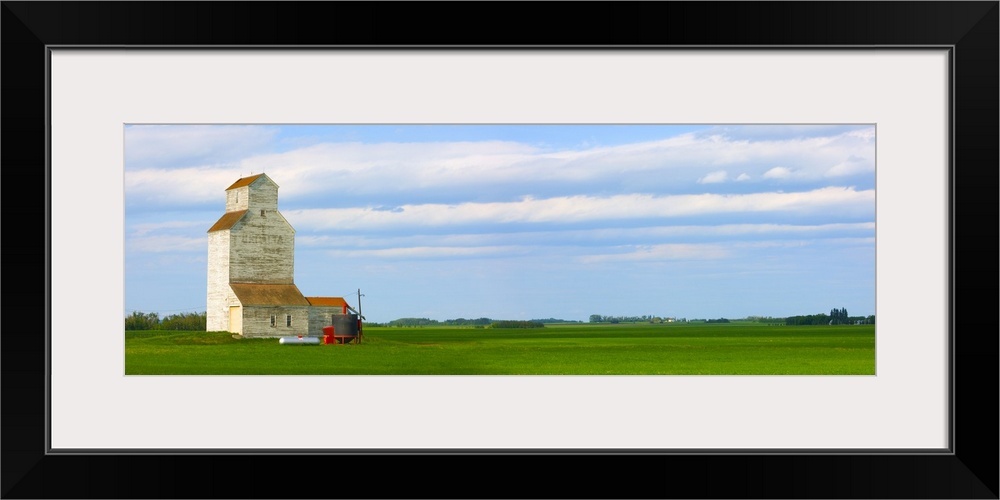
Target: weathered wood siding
[220, 296]
[237, 199]
[257, 321]
[320, 316]
[262, 249]
[262, 195]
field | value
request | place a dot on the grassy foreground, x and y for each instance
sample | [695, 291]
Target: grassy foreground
[580, 349]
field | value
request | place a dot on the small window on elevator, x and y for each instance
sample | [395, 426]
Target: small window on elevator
[274, 321]
[288, 320]
[262, 213]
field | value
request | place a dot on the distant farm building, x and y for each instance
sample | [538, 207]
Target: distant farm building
[251, 290]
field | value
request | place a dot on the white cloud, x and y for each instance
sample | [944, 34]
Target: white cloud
[661, 253]
[743, 177]
[868, 242]
[851, 166]
[713, 251]
[778, 173]
[148, 146]
[143, 229]
[394, 167]
[431, 252]
[194, 165]
[866, 134]
[736, 229]
[572, 209]
[183, 186]
[579, 237]
[714, 177]
[167, 243]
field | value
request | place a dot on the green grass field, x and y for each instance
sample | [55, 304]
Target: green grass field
[573, 349]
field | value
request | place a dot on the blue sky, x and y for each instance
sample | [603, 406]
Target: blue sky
[522, 221]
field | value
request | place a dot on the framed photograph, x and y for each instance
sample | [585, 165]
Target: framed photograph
[855, 124]
[729, 232]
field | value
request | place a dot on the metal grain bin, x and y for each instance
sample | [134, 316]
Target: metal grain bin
[345, 325]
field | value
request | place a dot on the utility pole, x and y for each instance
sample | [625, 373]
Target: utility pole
[360, 316]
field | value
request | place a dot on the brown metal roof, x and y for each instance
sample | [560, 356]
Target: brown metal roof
[245, 181]
[327, 301]
[252, 294]
[227, 220]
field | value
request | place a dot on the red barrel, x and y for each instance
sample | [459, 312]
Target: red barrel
[328, 335]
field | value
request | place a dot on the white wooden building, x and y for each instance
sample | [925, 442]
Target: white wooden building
[251, 262]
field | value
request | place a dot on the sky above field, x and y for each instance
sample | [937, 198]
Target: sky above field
[522, 221]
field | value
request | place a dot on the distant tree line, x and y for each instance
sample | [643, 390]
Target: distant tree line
[413, 322]
[598, 318]
[764, 319]
[516, 324]
[142, 321]
[403, 322]
[836, 317]
[812, 319]
[151, 321]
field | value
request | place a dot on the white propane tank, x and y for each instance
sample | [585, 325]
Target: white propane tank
[299, 340]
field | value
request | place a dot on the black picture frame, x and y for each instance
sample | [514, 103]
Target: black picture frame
[969, 28]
